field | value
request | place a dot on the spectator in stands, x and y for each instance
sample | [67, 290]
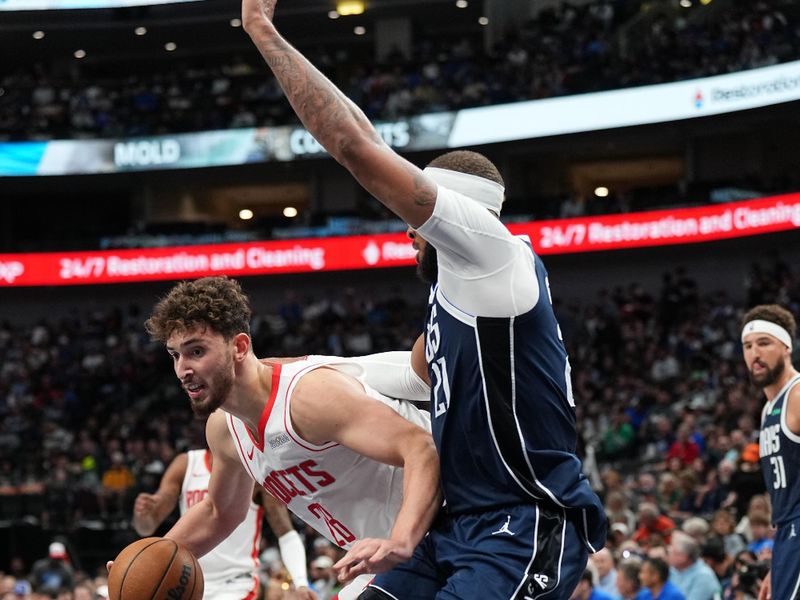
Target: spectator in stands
[323, 578]
[118, 482]
[618, 535]
[713, 553]
[759, 503]
[7, 583]
[51, 574]
[716, 490]
[761, 541]
[693, 577]
[618, 511]
[654, 577]
[668, 494]
[628, 584]
[697, 528]
[747, 480]
[587, 590]
[722, 526]
[82, 592]
[618, 439]
[651, 521]
[22, 590]
[59, 504]
[684, 448]
[603, 562]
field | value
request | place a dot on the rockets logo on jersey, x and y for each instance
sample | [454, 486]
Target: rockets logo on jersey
[283, 484]
[195, 496]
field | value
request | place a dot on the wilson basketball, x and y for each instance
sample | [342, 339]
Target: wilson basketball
[155, 569]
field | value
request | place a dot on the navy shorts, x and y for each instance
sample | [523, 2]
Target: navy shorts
[785, 568]
[520, 552]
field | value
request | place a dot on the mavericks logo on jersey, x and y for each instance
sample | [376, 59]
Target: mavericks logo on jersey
[769, 446]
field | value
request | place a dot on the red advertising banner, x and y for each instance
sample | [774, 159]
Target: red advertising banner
[586, 234]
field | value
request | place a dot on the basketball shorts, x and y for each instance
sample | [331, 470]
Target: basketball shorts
[520, 552]
[785, 568]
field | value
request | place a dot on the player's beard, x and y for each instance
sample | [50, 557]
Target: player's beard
[217, 392]
[428, 267]
[768, 376]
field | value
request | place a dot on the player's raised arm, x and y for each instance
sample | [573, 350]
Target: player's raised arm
[399, 374]
[329, 406]
[338, 124]
[150, 510]
[230, 489]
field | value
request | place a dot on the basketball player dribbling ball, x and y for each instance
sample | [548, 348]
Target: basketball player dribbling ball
[359, 467]
[520, 516]
[230, 570]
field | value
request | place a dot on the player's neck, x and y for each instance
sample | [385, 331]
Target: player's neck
[774, 389]
[250, 393]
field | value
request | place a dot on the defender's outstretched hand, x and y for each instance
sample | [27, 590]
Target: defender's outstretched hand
[373, 556]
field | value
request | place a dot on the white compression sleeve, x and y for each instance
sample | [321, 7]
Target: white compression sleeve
[391, 374]
[293, 555]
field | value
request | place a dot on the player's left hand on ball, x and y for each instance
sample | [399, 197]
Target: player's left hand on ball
[371, 556]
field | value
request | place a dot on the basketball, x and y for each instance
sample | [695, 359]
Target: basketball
[155, 569]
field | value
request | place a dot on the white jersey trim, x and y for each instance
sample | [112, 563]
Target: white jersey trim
[377, 587]
[533, 556]
[453, 310]
[796, 587]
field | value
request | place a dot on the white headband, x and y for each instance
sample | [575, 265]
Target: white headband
[484, 191]
[770, 328]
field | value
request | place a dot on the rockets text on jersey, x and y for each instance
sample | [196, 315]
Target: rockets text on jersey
[283, 483]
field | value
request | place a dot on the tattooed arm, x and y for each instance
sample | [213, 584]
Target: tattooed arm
[338, 124]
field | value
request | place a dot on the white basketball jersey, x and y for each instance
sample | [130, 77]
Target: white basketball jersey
[343, 495]
[237, 555]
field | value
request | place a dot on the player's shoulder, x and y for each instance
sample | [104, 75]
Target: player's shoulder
[794, 389]
[319, 377]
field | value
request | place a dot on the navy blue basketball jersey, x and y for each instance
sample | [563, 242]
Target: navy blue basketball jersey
[502, 413]
[779, 449]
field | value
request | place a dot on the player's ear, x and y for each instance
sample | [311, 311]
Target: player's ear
[242, 344]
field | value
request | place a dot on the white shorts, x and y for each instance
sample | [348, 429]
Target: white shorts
[237, 588]
[354, 588]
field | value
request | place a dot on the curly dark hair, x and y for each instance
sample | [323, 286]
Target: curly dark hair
[214, 302]
[774, 314]
[469, 162]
